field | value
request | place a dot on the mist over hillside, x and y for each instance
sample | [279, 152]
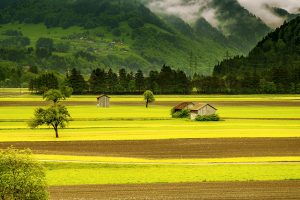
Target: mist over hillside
[191, 10]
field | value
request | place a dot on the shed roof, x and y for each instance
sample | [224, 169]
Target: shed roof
[198, 106]
[183, 105]
[103, 95]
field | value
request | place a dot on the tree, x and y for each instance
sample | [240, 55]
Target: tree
[139, 80]
[55, 96]
[97, 81]
[123, 80]
[55, 116]
[116, 32]
[148, 97]
[76, 81]
[66, 91]
[44, 47]
[152, 82]
[111, 81]
[43, 83]
[21, 176]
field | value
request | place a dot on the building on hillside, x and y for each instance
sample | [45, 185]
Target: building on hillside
[103, 101]
[196, 109]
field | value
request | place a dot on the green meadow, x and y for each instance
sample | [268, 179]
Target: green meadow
[153, 129]
[128, 119]
[82, 174]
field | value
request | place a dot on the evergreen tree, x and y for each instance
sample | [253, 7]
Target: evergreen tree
[76, 81]
[152, 81]
[97, 81]
[139, 81]
[112, 81]
[44, 47]
[123, 80]
[43, 83]
[183, 83]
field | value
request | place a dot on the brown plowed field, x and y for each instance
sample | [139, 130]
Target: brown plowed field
[281, 190]
[160, 103]
[180, 148]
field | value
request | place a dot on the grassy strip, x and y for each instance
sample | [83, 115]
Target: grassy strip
[154, 112]
[139, 98]
[140, 134]
[165, 161]
[81, 174]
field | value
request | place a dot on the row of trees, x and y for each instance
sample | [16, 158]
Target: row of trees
[167, 81]
[248, 83]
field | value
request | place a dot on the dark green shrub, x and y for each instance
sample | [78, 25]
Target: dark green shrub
[116, 32]
[180, 114]
[208, 118]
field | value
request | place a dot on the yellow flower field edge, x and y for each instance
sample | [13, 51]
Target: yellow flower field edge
[127, 160]
[86, 174]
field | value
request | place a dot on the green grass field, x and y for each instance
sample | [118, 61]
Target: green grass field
[132, 121]
[81, 174]
[182, 161]
[155, 112]
[135, 122]
[153, 129]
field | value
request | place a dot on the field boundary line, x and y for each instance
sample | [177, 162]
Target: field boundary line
[253, 118]
[174, 163]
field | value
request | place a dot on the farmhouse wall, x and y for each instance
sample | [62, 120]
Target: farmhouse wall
[103, 102]
[206, 110]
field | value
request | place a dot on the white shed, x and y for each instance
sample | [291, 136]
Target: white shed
[103, 101]
[202, 109]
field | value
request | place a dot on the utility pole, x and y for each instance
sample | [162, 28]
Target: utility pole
[227, 56]
[193, 63]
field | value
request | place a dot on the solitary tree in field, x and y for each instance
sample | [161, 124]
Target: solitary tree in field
[148, 97]
[21, 177]
[56, 116]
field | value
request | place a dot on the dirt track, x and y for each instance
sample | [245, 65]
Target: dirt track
[285, 190]
[180, 148]
[160, 103]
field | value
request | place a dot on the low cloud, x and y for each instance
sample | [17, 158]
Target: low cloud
[260, 8]
[188, 10]
[191, 10]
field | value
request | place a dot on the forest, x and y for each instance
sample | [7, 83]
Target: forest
[273, 66]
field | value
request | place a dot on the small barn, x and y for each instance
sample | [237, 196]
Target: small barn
[103, 101]
[202, 109]
[196, 109]
[184, 106]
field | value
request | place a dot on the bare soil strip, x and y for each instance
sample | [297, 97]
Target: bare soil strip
[179, 148]
[285, 190]
[159, 103]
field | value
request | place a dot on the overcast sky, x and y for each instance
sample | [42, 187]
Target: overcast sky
[188, 10]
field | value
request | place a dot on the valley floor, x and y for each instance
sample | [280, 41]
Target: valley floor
[130, 152]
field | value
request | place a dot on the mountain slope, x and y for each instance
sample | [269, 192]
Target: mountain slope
[240, 26]
[105, 33]
[276, 58]
[226, 18]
